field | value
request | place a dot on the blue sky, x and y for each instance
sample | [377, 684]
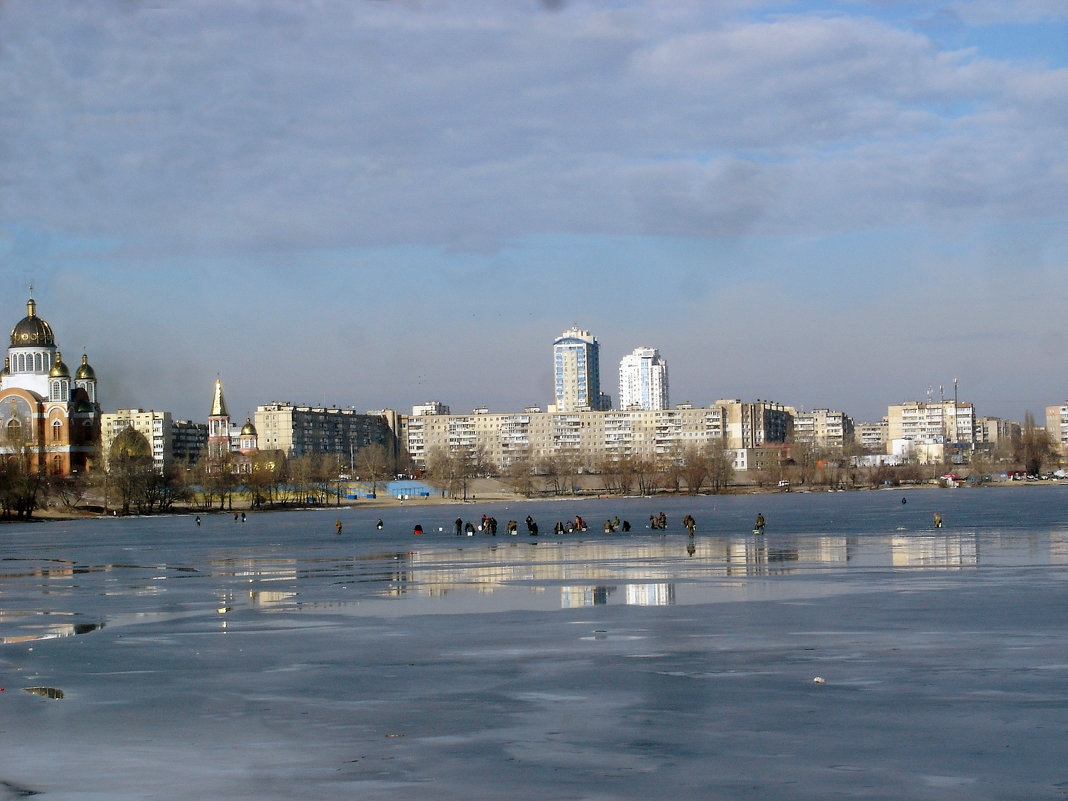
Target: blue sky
[376, 204]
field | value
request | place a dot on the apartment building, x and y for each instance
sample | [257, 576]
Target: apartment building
[189, 440]
[590, 436]
[872, 436]
[946, 421]
[823, 428]
[299, 430]
[156, 427]
[643, 380]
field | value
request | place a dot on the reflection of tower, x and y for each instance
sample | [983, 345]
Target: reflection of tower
[218, 425]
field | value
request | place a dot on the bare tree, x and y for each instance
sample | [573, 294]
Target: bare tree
[695, 469]
[130, 466]
[646, 475]
[518, 475]
[22, 486]
[720, 466]
[374, 463]
[1035, 447]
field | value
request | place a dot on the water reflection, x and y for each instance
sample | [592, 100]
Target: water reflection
[477, 574]
[33, 625]
[949, 551]
[45, 692]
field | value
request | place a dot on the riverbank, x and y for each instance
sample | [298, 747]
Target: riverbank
[490, 491]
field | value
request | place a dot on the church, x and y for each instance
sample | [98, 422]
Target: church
[46, 413]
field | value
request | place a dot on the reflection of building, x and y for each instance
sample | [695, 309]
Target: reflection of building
[941, 551]
[659, 594]
[45, 412]
[572, 597]
[643, 380]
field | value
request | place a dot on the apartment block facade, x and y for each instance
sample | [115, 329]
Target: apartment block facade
[590, 436]
[156, 427]
[823, 428]
[946, 421]
[299, 430]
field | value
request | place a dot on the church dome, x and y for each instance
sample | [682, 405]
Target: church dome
[31, 330]
[59, 369]
[7, 367]
[248, 429]
[85, 371]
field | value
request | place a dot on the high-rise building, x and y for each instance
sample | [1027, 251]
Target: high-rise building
[577, 372]
[643, 380]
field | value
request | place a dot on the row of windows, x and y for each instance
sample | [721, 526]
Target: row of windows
[30, 362]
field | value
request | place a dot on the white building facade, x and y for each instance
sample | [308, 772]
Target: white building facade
[643, 380]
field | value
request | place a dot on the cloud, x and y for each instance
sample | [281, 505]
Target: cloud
[426, 167]
[271, 127]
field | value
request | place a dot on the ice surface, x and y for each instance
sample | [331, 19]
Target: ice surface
[277, 660]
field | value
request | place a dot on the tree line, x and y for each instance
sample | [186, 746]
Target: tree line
[129, 482]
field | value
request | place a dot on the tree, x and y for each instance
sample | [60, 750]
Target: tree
[374, 463]
[518, 474]
[130, 466]
[720, 466]
[452, 470]
[1035, 446]
[695, 469]
[646, 475]
[22, 487]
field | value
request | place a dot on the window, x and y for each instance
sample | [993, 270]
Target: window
[57, 430]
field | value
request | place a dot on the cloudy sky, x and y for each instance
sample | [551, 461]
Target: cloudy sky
[373, 204]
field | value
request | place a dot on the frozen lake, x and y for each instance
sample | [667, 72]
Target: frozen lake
[275, 659]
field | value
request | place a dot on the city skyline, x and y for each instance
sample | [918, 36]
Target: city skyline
[378, 204]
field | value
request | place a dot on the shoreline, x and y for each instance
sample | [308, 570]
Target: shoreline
[491, 495]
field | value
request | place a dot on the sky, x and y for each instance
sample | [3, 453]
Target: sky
[376, 203]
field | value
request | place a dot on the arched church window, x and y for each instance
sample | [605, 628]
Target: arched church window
[20, 362]
[57, 430]
[14, 432]
[37, 366]
[57, 465]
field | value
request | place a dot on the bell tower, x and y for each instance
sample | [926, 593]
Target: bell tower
[218, 425]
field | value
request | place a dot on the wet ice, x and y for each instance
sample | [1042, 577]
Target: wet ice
[277, 660]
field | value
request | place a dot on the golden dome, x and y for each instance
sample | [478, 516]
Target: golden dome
[31, 330]
[85, 371]
[7, 367]
[59, 369]
[248, 429]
